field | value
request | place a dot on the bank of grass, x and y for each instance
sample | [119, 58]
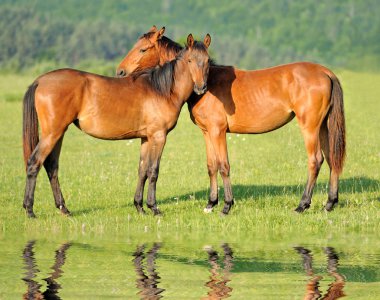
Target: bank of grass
[268, 173]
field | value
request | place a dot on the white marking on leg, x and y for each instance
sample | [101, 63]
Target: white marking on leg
[208, 210]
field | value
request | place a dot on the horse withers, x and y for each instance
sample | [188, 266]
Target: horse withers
[145, 105]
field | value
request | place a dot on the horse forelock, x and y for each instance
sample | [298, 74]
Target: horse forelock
[147, 35]
[199, 46]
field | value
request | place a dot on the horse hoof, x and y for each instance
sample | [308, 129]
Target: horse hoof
[223, 215]
[207, 210]
[31, 215]
[227, 207]
[226, 210]
[64, 211]
[301, 209]
[140, 210]
[330, 205]
[156, 212]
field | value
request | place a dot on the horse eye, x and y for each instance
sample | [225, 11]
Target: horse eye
[189, 61]
[143, 50]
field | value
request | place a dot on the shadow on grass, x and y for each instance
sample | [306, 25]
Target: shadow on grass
[353, 185]
[91, 210]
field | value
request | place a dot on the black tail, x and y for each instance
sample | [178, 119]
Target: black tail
[29, 123]
[336, 127]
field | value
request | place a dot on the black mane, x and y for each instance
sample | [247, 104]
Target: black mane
[170, 45]
[161, 78]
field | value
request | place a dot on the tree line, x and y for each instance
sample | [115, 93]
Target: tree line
[248, 34]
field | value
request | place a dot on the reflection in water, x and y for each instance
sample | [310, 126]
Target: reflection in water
[335, 290]
[218, 282]
[33, 291]
[147, 284]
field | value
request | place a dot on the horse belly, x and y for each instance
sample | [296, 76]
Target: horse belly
[109, 128]
[259, 122]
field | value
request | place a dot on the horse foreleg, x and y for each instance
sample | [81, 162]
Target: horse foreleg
[315, 160]
[143, 170]
[219, 143]
[51, 166]
[156, 146]
[212, 173]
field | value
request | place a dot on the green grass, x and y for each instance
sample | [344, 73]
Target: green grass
[268, 173]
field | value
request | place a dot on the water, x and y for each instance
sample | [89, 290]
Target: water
[178, 266]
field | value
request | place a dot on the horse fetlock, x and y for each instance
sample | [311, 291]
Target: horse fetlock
[210, 205]
[155, 210]
[212, 201]
[140, 209]
[30, 213]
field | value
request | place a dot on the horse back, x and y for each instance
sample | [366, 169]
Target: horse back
[258, 101]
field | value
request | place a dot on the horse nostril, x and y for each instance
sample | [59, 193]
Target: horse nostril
[121, 73]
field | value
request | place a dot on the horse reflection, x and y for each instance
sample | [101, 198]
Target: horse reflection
[335, 290]
[218, 282]
[147, 284]
[33, 291]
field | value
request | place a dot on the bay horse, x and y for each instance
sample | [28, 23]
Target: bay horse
[145, 105]
[258, 101]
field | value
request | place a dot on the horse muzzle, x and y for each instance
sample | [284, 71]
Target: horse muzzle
[121, 72]
[200, 90]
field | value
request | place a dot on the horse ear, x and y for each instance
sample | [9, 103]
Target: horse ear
[161, 33]
[157, 35]
[190, 40]
[153, 29]
[207, 40]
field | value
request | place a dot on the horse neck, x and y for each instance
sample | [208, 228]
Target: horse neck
[183, 84]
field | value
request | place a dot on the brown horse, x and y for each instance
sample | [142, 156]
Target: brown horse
[259, 101]
[145, 105]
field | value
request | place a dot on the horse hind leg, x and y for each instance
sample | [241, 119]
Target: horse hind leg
[51, 166]
[40, 153]
[334, 177]
[315, 160]
[32, 169]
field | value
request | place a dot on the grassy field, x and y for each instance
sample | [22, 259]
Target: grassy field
[268, 173]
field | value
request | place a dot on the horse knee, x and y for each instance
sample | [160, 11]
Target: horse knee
[33, 168]
[153, 174]
[224, 169]
[315, 163]
[212, 169]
